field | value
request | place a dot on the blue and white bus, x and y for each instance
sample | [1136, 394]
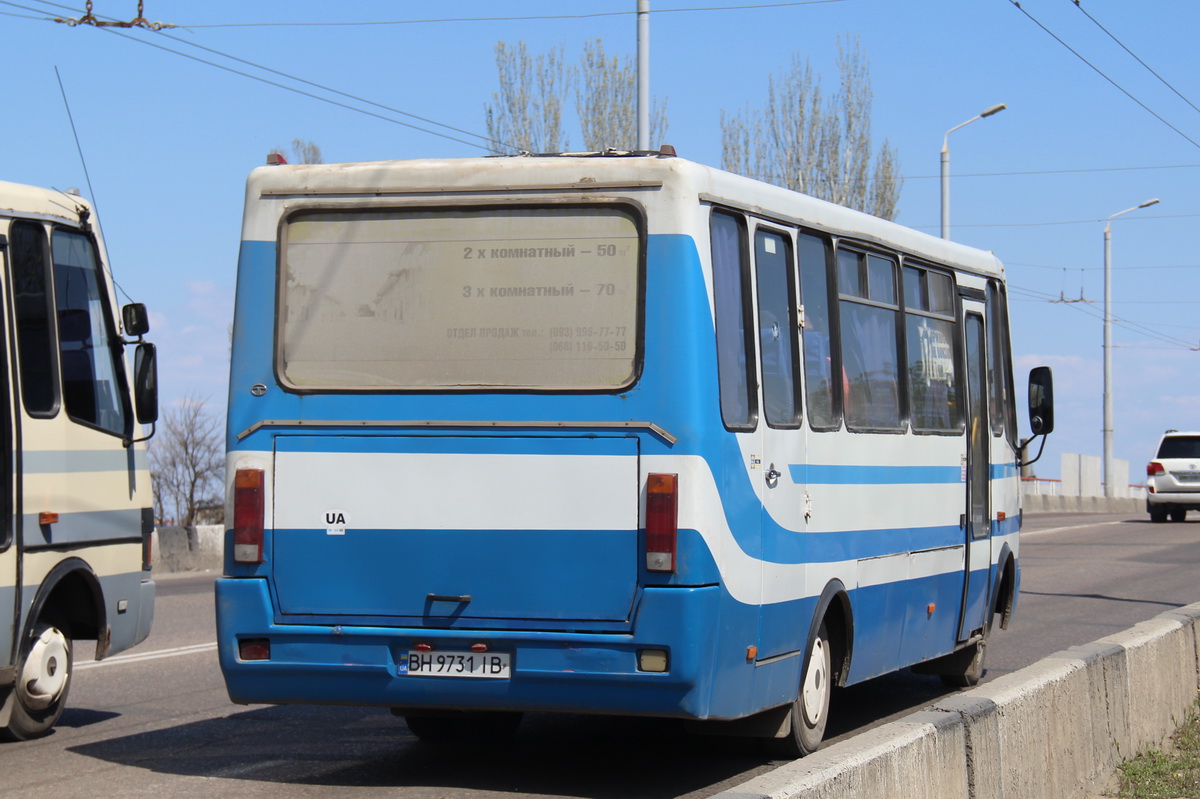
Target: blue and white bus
[616, 434]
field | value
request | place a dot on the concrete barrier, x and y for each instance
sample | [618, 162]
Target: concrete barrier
[1053, 729]
[188, 549]
[1053, 503]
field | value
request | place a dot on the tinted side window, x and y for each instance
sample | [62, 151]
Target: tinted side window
[870, 360]
[818, 332]
[777, 328]
[92, 374]
[1000, 378]
[735, 346]
[29, 259]
[931, 335]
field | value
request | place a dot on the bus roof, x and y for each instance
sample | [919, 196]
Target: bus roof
[477, 177]
[17, 199]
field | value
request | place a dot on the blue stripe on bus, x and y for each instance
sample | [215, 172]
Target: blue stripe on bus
[999, 471]
[684, 370]
[687, 368]
[857, 474]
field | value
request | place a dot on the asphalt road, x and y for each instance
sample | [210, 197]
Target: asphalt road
[157, 722]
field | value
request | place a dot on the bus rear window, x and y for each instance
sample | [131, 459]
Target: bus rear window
[525, 298]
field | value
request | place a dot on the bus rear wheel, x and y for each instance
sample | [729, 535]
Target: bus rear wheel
[43, 681]
[810, 711]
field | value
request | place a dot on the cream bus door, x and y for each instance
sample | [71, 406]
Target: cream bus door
[977, 558]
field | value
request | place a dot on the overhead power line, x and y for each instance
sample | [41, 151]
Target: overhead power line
[1101, 73]
[529, 18]
[1134, 55]
[484, 143]
[1087, 310]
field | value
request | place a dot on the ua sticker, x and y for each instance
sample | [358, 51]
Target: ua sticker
[336, 522]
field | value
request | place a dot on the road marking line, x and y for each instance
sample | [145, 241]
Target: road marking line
[143, 656]
[1025, 534]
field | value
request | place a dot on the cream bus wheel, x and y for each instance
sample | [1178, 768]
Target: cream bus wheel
[43, 681]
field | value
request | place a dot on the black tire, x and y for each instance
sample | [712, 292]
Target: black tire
[1158, 515]
[1178, 514]
[43, 682]
[810, 711]
[972, 659]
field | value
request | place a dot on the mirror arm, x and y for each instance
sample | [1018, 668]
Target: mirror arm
[1041, 449]
[129, 442]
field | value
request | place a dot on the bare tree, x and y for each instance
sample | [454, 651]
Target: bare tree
[606, 101]
[820, 146]
[526, 114]
[303, 152]
[187, 465]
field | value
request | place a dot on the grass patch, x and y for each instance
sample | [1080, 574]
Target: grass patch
[1165, 775]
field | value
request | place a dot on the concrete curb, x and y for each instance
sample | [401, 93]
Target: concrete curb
[1052, 729]
[188, 549]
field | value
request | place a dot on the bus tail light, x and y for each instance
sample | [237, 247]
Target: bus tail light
[662, 509]
[248, 516]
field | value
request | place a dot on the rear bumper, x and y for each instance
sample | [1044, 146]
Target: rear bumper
[1176, 499]
[551, 671]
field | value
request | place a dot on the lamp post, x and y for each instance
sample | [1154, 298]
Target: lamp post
[643, 74]
[1109, 488]
[996, 109]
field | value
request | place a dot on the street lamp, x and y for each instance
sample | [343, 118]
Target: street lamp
[996, 109]
[1109, 488]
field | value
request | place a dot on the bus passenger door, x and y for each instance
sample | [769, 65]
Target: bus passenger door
[781, 441]
[977, 519]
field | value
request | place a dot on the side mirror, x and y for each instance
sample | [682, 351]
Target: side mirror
[145, 383]
[1041, 401]
[137, 321]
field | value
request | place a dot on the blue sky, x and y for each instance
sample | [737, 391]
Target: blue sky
[169, 141]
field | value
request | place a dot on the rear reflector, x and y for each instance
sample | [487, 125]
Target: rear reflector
[248, 516]
[662, 507]
[254, 649]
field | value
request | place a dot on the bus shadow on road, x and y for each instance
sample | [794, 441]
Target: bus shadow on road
[568, 755]
[368, 747]
[76, 718]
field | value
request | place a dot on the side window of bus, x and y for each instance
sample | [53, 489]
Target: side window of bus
[870, 359]
[29, 259]
[735, 345]
[818, 332]
[777, 327]
[92, 375]
[930, 327]
[1000, 379]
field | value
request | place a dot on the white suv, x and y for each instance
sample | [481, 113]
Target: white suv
[1173, 477]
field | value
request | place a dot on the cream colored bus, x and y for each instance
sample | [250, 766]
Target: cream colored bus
[75, 540]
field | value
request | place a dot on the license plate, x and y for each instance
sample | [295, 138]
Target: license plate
[1187, 477]
[487, 665]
